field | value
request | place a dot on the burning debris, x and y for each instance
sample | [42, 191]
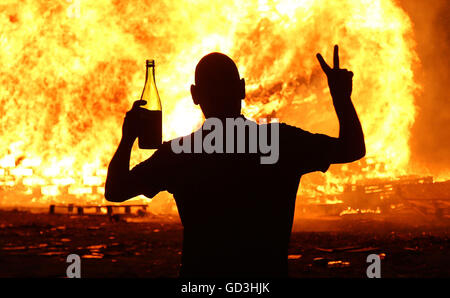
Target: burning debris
[109, 210]
[418, 195]
[59, 154]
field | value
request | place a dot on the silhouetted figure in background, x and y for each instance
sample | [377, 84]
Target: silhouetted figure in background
[237, 213]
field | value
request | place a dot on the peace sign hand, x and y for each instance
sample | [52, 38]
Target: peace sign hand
[339, 80]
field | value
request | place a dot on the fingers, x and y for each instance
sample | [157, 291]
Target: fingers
[138, 103]
[330, 71]
[324, 65]
[136, 107]
[336, 57]
[326, 69]
[345, 72]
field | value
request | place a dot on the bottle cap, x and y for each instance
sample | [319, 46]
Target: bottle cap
[150, 62]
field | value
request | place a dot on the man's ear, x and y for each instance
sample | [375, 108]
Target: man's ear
[194, 94]
[242, 89]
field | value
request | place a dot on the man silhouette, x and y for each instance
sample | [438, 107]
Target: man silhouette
[237, 213]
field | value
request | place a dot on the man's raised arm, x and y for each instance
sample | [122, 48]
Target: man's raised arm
[350, 145]
[119, 187]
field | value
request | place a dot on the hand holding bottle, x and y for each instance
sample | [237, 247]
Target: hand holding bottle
[132, 122]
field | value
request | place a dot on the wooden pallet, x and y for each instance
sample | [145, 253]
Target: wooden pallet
[80, 209]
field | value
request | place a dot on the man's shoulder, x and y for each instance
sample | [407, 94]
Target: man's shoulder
[286, 126]
[290, 131]
[283, 125]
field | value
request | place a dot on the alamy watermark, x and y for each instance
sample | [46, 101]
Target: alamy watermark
[74, 269]
[214, 140]
[374, 269]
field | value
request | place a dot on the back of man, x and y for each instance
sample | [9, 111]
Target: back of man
[237, 212]
[236, 208]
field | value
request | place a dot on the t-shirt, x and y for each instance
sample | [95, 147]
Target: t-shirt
[237, 213]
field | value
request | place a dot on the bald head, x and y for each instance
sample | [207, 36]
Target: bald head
[216, 69]
[218, 88]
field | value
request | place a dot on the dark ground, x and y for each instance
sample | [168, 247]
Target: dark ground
[36, 245]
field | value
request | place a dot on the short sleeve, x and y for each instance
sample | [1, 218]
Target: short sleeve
[303, 151]
[150, 176]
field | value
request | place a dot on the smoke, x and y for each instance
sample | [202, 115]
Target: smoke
[430, 134]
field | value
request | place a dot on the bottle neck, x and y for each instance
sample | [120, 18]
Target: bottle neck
[150, 92]
[150, 73]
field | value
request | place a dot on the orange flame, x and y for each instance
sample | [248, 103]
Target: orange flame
[71, 69]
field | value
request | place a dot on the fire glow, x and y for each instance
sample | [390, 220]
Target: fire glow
[71, 69]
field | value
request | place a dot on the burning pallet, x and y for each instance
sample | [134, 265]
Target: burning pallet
[413, 194]
[80, 209]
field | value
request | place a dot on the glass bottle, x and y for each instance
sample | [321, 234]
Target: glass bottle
[150, 129]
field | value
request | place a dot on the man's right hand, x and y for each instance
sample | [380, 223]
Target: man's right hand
[118, 187]
[130, 127]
